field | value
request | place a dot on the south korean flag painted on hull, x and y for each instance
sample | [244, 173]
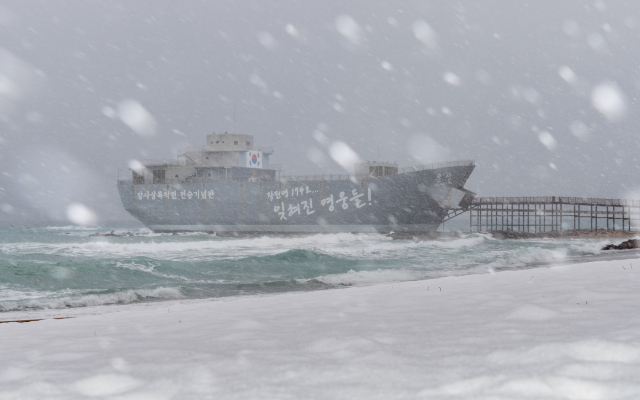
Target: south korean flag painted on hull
[254, 159]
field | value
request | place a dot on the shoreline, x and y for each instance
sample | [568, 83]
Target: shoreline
[553, 332]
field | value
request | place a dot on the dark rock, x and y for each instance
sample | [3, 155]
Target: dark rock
[626, 245]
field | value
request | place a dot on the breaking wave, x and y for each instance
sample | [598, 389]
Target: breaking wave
[46, 268]
[86, 300]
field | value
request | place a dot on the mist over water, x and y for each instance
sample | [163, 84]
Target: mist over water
[63, 267]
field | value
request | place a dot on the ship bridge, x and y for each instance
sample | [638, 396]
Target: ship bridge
[223, 157]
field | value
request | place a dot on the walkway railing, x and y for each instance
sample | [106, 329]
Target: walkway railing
[553, 213]
[447, 164]
[556, 200]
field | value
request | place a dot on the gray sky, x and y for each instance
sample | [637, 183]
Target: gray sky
[541, 94]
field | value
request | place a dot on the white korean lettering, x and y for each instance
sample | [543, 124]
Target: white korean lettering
[328, 200]
[308, 206]
[343, 199]
[280, 210]
[356, 198]
[293, 209]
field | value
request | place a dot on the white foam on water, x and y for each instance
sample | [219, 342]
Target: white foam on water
[373, 258]
[135, 266]
[216, 248]
[123, 297]
[368, 277]
[526, 256]
[8, 294]
[467, 241]
[151, 270]
[72, 228]
[363, 278]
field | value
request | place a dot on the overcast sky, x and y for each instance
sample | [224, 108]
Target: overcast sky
[541, 94]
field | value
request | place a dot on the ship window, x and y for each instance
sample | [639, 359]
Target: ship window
[235, 142]
[376, 171]
[217, 141]
[138, 179]
[390, 171]
[158, 176]
[207, 158]
[176, 176]
[248, 143]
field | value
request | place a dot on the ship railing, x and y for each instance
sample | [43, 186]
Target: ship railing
[154, 162]
[329, 177]
[556, 200]
[341, 177]
[226, 147]
[447, 164]
[125, 181]
[265, 150]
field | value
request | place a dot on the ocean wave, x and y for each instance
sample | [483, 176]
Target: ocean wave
[135, 266]
[294, 256]
[531, 256]
[185, 248]
[472, 240]
[72, 228]
[368, 277]
[54, 270]
[88, 300]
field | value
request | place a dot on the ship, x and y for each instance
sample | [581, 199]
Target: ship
[229, 186]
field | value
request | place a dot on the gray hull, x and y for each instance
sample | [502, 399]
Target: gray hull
[408, 202]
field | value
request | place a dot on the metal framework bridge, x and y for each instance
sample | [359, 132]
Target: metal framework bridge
[548, 214]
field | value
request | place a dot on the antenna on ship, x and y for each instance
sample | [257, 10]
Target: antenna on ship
[234, 119]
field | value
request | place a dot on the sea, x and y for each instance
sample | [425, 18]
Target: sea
[64, 267]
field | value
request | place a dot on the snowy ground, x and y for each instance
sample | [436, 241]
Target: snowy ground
[568, 332]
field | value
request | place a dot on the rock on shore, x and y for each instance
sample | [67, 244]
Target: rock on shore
[626, 245]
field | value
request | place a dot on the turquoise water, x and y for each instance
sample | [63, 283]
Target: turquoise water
[61, 267]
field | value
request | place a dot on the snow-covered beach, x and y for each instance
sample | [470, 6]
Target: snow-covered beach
[566, 332]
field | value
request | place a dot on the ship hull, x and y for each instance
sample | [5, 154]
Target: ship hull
[408, 202]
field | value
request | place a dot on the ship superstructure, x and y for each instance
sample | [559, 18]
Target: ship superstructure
[230, 185]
